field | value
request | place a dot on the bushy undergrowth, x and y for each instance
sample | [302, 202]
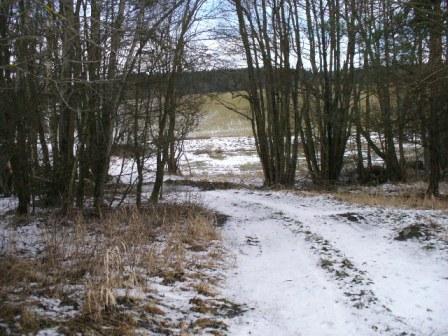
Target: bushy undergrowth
[402, 200]
[90, 268]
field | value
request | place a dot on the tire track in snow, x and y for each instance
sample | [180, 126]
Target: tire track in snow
[355, 308]
[409, 281]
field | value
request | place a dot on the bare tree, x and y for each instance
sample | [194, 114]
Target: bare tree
[267, 38]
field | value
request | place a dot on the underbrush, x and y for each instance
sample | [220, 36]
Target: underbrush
[111, 275]
[407, 200]
[401, 195]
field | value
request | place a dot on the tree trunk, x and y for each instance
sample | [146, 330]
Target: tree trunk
[436, 96]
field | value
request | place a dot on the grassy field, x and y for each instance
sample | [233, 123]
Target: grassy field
[219, 121]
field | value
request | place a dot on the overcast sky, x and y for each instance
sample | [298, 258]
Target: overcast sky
[217, 20]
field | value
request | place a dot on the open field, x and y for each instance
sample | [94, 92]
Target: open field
[219, 121]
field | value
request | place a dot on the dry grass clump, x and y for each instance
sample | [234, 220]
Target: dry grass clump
[95, 263]
[199, 228]
[205, 289]
[112, 273]
[15, 270]
[208, 323]
[408, 201]
[187, 227]
[153, 310]
[172, 263]
[29, 320]
[21, 319]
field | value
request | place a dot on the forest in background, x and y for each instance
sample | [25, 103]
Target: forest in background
[78, 77]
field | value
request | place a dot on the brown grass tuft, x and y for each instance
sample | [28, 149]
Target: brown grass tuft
[395, 201]
[15, 270]
[29, 321]
[153, 310]
[205, 289]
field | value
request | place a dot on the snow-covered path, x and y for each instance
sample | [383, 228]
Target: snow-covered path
[314, 266]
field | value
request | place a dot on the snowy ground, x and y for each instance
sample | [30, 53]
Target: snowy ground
[298, 264]
[231, 159]
[314, 266]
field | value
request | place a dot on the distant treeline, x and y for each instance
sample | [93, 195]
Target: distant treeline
[228, 80]
[198, 82]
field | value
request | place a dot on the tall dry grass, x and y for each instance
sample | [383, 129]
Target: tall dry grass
[407, 201]
[90, 261]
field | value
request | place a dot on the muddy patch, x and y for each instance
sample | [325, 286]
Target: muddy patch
[221, 219]
[423, 232]
[252, 241]
[351, 216]
[220, 307]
